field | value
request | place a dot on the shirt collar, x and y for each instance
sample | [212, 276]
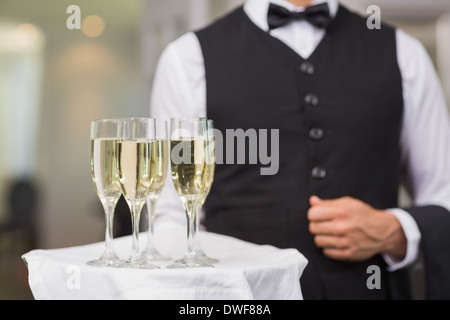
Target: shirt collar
[257, 9]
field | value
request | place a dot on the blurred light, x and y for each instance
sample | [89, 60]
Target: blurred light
[93, 26]
[21, 38]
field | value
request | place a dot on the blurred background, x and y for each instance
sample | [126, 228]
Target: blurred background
[55, 79]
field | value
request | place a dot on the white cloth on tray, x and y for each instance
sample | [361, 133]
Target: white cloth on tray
[246, 271]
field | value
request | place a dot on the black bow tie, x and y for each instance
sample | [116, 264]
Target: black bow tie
[318, 15]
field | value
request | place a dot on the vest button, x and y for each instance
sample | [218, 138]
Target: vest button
[307, 68]
[312, 99]
[316, 133]
[318, 173]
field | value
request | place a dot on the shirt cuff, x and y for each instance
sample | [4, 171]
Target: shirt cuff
[413, 237]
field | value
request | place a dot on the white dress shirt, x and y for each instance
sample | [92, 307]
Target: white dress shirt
[179, 90]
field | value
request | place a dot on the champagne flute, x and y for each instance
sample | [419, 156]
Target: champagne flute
[136, 176]
[160, 162]
[210, 167]
[106, 182]
[188, 172]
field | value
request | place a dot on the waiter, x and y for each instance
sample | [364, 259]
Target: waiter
[359, 113]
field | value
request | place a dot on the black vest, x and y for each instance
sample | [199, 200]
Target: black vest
[339, 116]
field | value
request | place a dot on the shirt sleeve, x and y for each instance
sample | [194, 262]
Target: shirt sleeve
[178, 90]
[425, 140]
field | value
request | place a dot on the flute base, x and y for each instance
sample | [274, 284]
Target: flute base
[140, 263]
[201, 255]
[191, 260]
[107, 261]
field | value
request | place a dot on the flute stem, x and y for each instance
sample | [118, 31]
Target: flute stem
[135, 208]
[189, 207]
[109, 207]
[151, 205]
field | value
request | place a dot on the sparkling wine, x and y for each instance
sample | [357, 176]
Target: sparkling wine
[104, 169]
[159, 159]
[210, 167]
[209, 178]
[188, 167]
[135, 174]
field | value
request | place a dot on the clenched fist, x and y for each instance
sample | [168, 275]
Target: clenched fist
[351, 230]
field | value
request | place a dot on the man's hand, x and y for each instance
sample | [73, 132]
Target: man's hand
[351, 230]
